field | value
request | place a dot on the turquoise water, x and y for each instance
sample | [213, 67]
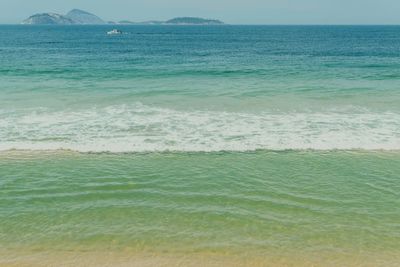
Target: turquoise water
[234, 140]
[234, 88]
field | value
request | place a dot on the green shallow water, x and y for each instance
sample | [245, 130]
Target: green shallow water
[187, 202]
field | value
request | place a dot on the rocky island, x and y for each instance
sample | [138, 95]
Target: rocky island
[193, 21]
[80, 17]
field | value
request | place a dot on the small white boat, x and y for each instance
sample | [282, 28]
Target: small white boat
[114, 32]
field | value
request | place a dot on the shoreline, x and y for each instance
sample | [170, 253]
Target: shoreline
[62, 151]
[207, 259]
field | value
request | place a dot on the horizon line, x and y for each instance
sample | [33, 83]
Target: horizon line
[225, 24]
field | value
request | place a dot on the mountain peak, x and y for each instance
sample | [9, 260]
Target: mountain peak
[78, 11]
[84, 17]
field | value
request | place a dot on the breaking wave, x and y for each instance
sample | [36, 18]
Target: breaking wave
[142, 128]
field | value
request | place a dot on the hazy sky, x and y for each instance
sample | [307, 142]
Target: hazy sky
[231, 11]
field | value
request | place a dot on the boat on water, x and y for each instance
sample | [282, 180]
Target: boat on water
[114, 32]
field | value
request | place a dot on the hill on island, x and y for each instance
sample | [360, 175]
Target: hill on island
[48, 18]
[83, 17]
[75, 16]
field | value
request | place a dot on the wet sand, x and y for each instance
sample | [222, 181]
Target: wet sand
[11, 258]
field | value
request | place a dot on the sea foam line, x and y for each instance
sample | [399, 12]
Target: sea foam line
[141, 128]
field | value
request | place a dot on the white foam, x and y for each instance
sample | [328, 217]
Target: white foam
[141, 128]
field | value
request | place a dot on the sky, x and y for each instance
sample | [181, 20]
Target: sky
[230, 11]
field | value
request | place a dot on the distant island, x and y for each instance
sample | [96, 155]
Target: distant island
[80, 17]
[75, 16]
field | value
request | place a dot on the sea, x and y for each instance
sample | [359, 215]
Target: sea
[200, 146]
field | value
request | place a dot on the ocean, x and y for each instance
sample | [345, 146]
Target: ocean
[200, 146]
